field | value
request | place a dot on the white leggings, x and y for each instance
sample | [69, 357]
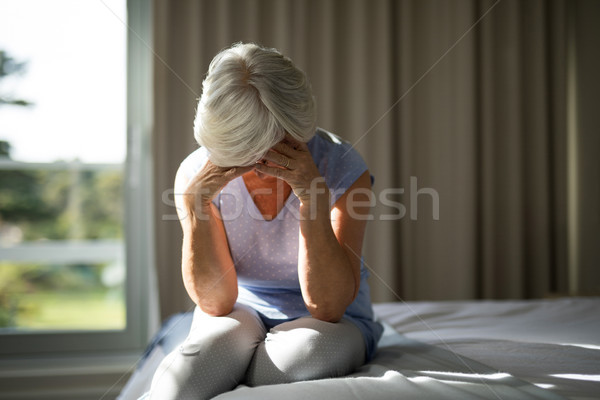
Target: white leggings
[222, 352]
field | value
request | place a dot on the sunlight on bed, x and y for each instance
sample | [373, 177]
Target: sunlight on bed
[579, 377]
[494, 376]
[545, 385]
[583, 346]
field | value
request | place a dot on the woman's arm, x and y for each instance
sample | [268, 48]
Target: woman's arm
[330, 249]
[207, 267]
[330, 241]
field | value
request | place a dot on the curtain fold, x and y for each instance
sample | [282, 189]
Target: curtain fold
[520, 148]
[458, 107]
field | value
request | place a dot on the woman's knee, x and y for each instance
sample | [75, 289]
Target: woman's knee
[240, 330]
[307, 349]
[212, 359]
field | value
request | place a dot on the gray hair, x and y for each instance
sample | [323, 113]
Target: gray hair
[251, 97]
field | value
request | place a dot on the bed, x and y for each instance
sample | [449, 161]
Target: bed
[534, 349]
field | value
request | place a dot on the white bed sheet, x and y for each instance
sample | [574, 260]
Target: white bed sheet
[453, 350]
[552, 343]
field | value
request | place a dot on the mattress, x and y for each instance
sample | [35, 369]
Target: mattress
[537, 349]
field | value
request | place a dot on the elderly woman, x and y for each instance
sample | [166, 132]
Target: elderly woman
[273, 212]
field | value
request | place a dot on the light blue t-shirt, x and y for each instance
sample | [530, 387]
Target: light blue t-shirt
[265, 253]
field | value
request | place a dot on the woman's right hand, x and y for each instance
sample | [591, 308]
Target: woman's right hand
[206, 184]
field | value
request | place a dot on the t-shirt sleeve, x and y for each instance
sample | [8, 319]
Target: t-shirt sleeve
[343, 167]
[193, 163]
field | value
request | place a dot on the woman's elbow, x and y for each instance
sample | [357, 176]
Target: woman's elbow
[328, 318]
[216, 310]
[327, 314]
[216, 305]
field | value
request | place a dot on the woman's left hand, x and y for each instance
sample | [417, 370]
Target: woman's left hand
[291, 161]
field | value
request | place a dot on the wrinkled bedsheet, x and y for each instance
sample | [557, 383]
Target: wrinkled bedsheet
[546, 349]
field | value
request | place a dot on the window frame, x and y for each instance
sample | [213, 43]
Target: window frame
[139, 227]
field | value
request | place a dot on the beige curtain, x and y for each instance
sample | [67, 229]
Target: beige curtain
[458, 107]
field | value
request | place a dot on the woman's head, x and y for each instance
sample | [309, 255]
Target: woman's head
[250, 98]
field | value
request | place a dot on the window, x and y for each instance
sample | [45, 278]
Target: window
[74, 175]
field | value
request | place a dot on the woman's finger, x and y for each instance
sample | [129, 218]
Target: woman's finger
[234, 172]
[211, 178]
[286, 149]
[278, 159]
[272, 171]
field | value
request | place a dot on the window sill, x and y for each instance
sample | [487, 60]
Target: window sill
[85, 376]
